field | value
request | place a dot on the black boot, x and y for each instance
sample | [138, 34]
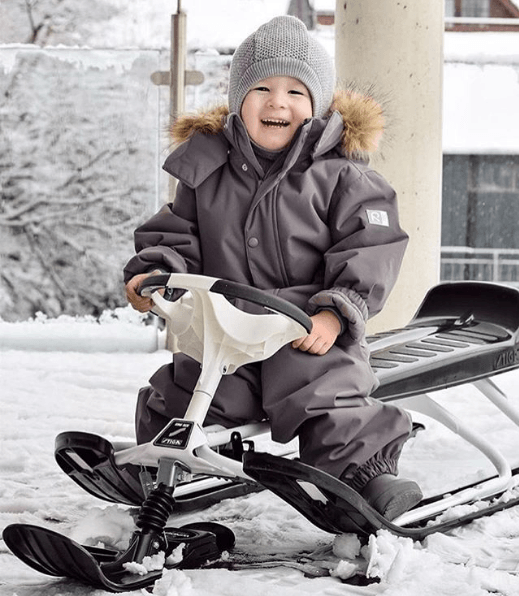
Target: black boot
[391, 496]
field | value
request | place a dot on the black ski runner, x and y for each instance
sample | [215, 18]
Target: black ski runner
[325, 501]
[54, 554]
[334, 507]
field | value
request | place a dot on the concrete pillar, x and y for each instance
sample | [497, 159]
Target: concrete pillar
[396, 49]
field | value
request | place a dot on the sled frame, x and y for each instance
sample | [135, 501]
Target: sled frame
[197, 455]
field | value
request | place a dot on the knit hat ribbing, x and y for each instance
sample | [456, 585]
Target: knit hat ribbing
[282, 47]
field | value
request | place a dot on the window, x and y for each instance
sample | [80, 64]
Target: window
[467, 8]
[450, 8]
[475, 8]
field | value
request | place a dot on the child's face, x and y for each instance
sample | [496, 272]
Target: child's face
[273, 110]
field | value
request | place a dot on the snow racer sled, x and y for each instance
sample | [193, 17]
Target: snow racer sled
[463, 332]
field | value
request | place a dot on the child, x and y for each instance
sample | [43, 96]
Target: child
[272, 194]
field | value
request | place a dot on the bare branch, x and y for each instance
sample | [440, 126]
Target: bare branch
[77, 177]
[35, 29]
[44, 260]
[10, 217]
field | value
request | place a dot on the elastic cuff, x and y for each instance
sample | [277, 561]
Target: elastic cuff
[371, 469]
[347, 303]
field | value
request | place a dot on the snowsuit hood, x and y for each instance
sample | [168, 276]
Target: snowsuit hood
[355, 123]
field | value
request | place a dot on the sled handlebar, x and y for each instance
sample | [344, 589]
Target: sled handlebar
[230, 290]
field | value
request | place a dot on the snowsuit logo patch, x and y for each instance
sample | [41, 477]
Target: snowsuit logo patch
[377, 218]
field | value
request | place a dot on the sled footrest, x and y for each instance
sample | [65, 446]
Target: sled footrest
[90, 461]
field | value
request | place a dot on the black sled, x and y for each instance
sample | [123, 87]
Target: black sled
[463, 333]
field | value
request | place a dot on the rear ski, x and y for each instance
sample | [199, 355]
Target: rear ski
[334, 507]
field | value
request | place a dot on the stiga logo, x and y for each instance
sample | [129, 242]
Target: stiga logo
[506, 359]
[176, 434]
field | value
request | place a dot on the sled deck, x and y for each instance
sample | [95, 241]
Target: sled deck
[462, 332]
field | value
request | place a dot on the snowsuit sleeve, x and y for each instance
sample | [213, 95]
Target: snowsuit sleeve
[168, 240]
[368, 245]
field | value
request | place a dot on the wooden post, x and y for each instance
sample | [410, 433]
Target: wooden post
[177, 77]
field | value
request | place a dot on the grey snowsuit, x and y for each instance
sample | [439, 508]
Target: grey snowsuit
[320, 230]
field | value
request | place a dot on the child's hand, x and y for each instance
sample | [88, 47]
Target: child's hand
[326, 328]
[140, 303]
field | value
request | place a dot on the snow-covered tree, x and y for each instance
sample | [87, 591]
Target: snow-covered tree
[78, 170]
[51, 22]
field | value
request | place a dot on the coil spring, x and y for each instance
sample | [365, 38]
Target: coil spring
[155, 511]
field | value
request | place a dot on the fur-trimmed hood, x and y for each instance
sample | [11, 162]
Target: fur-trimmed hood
[363, 122]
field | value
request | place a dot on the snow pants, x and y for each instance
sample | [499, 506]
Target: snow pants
[324, 400]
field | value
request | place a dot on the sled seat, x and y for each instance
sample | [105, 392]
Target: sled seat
[462, 332]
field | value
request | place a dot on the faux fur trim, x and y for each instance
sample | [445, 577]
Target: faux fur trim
[209, 122]
[363, 120]
[362, 116]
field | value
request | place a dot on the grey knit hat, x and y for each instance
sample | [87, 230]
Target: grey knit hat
[282, 47]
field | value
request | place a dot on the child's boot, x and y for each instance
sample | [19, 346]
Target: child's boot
[391, 496]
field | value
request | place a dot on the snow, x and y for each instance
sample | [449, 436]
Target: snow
[121, 330]
[120, 61]
[47, 392]
[481, 93]
[480, 108]
[209, 24]
[490, 47]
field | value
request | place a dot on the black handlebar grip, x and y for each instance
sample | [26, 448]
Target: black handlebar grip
[231, 289]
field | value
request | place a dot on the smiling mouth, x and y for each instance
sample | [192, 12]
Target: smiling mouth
[275, 123]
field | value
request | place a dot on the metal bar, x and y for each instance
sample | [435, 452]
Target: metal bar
[492, 392]
[514, 22]
[177, 78]
[177, 63]
[424, 404]
[503, 261]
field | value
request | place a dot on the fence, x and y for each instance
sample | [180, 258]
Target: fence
[480, 264]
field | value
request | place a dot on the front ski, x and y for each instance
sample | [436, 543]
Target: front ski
[334, 507]
[89, 460]
[53, 554]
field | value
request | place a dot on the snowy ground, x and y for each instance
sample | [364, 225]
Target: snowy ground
[45, 392]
